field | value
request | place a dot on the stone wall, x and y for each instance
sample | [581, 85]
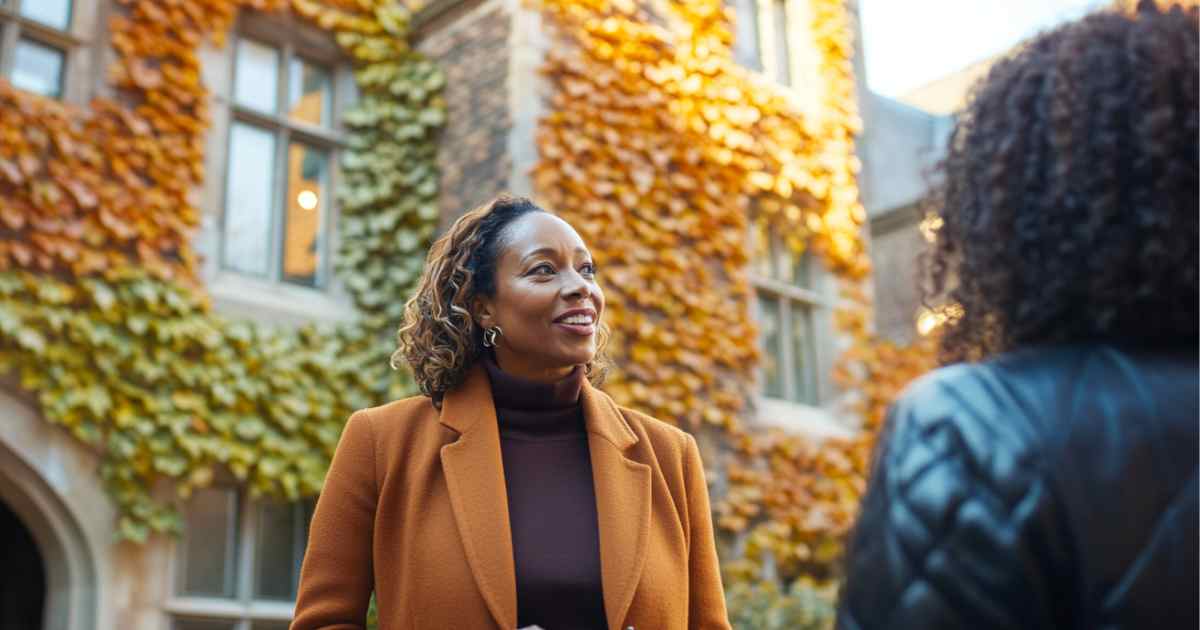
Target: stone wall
[470, 43]
[51, 481]
[896, 243]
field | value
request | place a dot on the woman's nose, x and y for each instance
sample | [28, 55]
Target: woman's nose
[578, 287]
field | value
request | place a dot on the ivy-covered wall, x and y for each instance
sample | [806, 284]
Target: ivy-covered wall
[656, 147]
[101, 310]
[654, 143]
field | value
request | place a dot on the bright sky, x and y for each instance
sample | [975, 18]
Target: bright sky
[908, 43]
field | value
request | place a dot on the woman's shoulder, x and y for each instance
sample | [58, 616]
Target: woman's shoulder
[664, 437]
[405, 420]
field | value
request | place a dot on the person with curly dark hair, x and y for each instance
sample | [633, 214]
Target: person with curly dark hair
[1047, 476]
[512, 492]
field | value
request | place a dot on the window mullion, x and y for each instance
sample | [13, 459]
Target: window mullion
[247, 541]
[789, 18]
[279, 203]
[282, 152]
[285, 81]
[299, 539]
[785, 355]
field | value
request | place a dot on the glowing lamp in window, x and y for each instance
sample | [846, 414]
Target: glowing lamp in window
[307, 200]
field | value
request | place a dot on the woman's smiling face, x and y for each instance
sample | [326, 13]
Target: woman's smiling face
[547, 303]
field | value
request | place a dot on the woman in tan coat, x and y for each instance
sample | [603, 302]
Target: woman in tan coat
[513, 492]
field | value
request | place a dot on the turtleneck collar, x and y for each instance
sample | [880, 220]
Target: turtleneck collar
[531, 410]
[515, 392]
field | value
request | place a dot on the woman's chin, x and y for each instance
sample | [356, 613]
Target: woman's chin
[577, 358]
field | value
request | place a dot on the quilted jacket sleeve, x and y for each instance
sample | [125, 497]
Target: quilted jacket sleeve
[959, 526]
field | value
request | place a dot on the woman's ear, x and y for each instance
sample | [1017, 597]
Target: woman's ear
[481, 311]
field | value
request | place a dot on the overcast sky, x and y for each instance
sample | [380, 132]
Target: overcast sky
[908, 43]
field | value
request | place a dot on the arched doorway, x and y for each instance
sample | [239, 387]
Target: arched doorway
[23, 580]
[32, 510]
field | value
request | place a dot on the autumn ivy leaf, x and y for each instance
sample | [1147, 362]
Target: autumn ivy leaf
[31, 340]
[250, 429]
[169, 465]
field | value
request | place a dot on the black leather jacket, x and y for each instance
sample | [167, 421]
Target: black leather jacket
[1048, 488]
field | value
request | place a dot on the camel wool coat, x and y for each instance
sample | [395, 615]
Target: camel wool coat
[415, 509]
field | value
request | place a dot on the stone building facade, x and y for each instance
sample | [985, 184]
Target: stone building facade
[238, 567]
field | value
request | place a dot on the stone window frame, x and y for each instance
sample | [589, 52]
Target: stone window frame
[802, 297]
[15, 27]
[293, 39]
[748, 54]
[242, 611]
[800, 69]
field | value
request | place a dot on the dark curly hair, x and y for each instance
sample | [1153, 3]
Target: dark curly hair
[1068, 195]
[439, 339]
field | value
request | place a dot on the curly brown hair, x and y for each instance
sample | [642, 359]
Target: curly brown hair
[439, 339]
[1068, 194]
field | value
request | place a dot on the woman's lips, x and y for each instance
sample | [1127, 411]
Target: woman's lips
[583, 330]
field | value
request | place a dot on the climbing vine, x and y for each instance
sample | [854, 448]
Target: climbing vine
[797, 498]
[662, 151]
[655, 137]
[102, 313]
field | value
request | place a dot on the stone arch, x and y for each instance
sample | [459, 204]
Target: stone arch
[68, 553]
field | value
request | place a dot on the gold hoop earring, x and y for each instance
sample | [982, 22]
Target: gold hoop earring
[490, 335]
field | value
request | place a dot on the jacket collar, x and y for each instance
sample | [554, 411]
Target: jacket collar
[474, 473]
[470, 404]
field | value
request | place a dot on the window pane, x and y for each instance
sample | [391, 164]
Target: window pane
[209, 545]
[779, 21]
[256, 77]
[248, 199]
[760, 262]
[745, 36]
[307, 192]
[310, 95]
[802, 270]
[769, 330]
[791, 267]
[277, 559]
[52, 13]
[38, 68]
[202, 624]
[803, 366]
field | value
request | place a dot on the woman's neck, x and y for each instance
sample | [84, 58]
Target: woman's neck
[522, 369]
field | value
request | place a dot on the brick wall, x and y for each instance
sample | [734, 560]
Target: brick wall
[471, 45]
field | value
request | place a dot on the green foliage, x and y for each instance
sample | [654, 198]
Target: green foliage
[142, 371]
[389, 197]
[164, 389]
[765, 606]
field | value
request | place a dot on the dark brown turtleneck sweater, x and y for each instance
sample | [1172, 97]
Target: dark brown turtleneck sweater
[551, 501]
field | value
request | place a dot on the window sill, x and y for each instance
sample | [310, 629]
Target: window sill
[236, 295]
[227, 608]
[809, 420]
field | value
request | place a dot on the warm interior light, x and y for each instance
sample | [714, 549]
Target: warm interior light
[930, 225]
[929, 320]
[307, 199]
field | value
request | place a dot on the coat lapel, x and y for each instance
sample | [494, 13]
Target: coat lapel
[622, 501]
[475, 477]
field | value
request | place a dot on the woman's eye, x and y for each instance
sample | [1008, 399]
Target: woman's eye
[542, 270]
[588, 269]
